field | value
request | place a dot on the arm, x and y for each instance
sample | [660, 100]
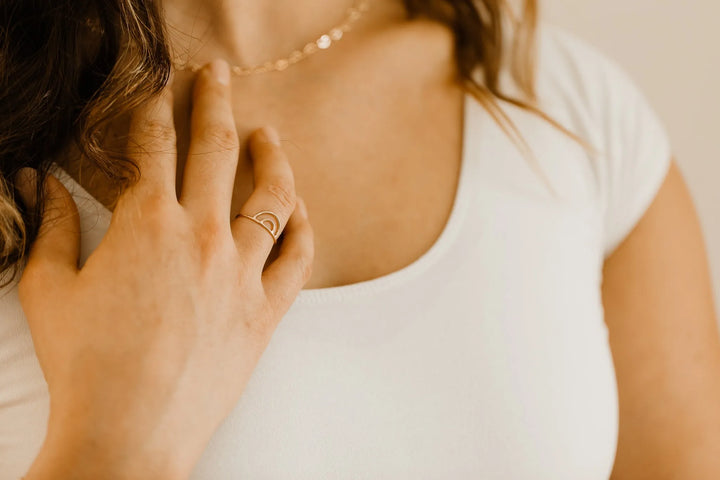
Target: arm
[149, 345]
[664, 339]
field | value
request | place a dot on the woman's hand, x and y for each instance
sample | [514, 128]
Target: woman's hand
[149, 346]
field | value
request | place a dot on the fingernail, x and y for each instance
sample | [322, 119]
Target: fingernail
[271, 135]
[25, 182]
[220, 71]
[302, 208]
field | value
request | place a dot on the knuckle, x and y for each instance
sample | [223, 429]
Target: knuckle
[283, 193]
[155, 202]
[211, 234]
[151, 207]
[221, 135]
[149, 211]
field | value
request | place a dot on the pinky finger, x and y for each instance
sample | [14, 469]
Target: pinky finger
[292, 269]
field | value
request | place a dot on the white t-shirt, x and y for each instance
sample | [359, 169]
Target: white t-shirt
[485, 358]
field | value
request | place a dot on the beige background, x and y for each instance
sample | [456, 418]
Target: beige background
[670, 48]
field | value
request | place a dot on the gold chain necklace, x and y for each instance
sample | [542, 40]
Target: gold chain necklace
[323, 42]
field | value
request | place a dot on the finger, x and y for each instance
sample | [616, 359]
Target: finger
[209, 175]
[152, 145]
[274, 192]
[284, 278]
[56, 250]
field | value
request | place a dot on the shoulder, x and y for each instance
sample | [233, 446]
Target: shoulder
[597, 99]
[570, 67]
[575, 75]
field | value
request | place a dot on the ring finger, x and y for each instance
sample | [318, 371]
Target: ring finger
[272, 201]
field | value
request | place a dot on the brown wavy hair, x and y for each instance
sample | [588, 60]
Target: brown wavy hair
[68, 68]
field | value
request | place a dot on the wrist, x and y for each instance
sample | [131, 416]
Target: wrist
[79, 455]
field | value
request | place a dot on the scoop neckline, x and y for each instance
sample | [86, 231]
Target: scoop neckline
[314, 296]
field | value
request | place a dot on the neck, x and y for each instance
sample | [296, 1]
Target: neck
[250, 32]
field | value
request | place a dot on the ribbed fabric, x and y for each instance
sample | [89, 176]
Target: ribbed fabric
[485, 358]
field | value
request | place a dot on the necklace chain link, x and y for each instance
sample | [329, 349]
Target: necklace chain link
[323, 42]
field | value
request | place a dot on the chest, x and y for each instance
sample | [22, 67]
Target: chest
[488, 358]
[378, 170]
[376, 153]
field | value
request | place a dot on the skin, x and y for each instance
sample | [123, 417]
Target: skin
[334, 172]
[663, 333]
[173, 298]
[656, 286]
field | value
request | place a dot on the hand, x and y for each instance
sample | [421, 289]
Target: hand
[148, 347]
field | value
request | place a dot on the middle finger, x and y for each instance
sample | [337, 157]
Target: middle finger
[209, 175]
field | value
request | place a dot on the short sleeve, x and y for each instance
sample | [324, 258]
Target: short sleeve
[638, 156]
[635, 151]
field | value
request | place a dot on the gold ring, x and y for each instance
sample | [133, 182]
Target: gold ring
[268, 220]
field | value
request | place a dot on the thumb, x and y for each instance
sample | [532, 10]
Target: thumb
[58, 240]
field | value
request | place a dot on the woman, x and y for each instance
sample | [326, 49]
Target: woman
[475, 310]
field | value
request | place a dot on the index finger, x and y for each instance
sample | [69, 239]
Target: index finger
[152, 145]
